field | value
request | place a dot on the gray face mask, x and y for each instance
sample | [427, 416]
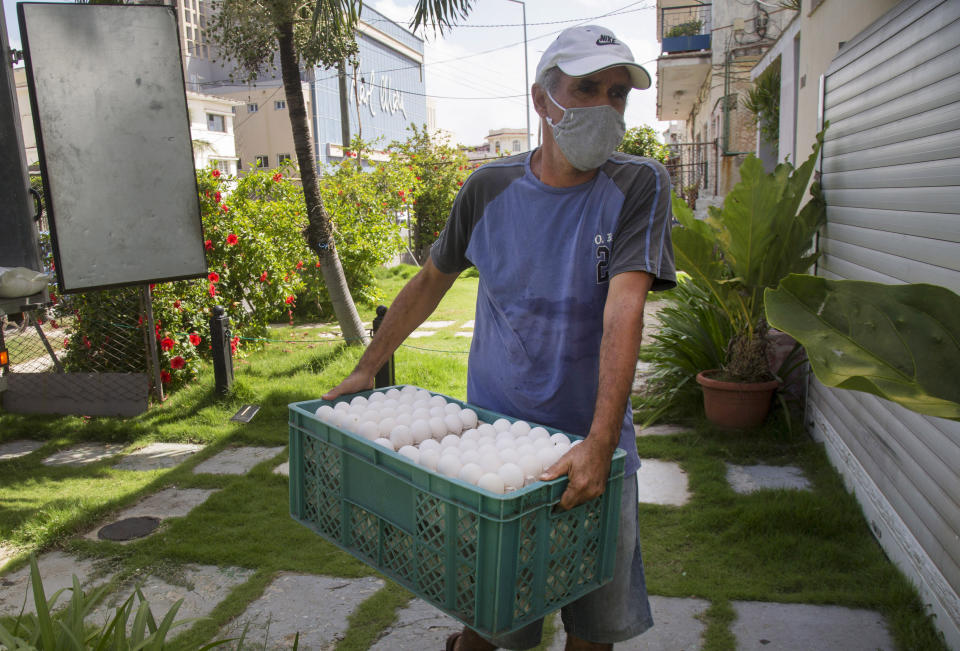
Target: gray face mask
[587, 135]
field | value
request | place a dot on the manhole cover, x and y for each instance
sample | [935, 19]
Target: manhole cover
[129, 528]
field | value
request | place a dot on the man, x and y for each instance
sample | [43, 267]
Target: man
[567, 240]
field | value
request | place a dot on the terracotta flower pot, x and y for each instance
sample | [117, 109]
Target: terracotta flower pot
[735, 405]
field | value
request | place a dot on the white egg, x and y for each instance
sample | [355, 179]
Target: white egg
[420, 429]
[512, 476]
[563, 448]
[358, 401]
[409, 390]
[406, 399]
[420, 412]
[577, 442]
[393, 393]
[526, 451]
[548, 456]
[401, 436]
[451, 450]
[470, 435]
[404, 419]
[422, 395]
[370, 415]
[387, 412]
[357, 410]
[469, 418]
[522, 440]
[385, 442]
[468, 444]
[410, 452]
[429, 459]
[531, 467]
[538, 433]
[508, 454]
[430, 444]
[386, 426]
[488, 448]
[369, 430]
[437, 412]
[501, 424]
[520, 427]
[451, 408]
[351, 424]
[449, 465]
[392, 403]
[559, 438]
[450, 440]
[376, 396]
[486, 429]
[343, 405]
[469, 456]
[437, 401]
[337, 419]
[324, 412]
[492, 482]
[454, 426]
[470, 473]
[540, 443]
[490, 462]
[438, 429]
[505, 442]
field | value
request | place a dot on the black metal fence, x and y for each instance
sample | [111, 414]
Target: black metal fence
[685, 22]
[690, 165]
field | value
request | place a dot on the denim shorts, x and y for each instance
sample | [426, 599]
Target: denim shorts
[614, 612]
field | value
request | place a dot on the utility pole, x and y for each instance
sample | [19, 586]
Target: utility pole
[526, 67]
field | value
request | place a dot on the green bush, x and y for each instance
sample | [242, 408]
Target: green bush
[689, 28]
[643, 141]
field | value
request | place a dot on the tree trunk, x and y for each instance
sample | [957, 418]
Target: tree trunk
[318, 232]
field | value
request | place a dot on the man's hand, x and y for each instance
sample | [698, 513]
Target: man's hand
[356, 381]
[588, 466]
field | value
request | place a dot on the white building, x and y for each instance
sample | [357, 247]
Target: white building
[212, 132]
[503, 142]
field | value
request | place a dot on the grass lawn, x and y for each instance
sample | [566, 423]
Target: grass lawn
[784, 546]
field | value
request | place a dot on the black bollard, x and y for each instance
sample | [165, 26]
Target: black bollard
[385, 376]
[220, 336]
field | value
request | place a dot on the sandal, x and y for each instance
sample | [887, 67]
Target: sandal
[452, 641]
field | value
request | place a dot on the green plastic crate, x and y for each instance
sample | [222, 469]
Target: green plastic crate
[494, 562]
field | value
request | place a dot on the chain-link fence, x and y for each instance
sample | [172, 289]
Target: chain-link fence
[88, 353]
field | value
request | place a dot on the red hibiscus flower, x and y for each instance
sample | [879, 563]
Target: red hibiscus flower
[194, 339]
[216, 196]
[53, 298]
[232, 239]
[212, 290]
[436, 233]
[401, 193]
[165, 377]
[177, 363]
[263, 277]
[86, 342]
[208, 245]
[318, 264]
[459, 183]
[54, 324]
[176, 304]
[215, 174]
[277, 177]
[299, 264]
[166, 343]
[290, 300]
[140, 320]
[213, 277]
[224, 207]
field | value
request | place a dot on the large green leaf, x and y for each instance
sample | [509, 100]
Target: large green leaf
[900, 342]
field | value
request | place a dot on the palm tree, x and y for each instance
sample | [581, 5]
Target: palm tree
[317, 32]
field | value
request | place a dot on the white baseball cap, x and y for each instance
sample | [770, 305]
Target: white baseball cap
[586, 49]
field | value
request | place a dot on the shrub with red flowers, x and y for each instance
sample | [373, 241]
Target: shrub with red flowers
[440, 169]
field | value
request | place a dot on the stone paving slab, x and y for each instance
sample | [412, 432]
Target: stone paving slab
[317, 607]
[676, 627]
[236, 461]
[56, 571]
[463, 334]
[7, 552]
[83, 454]
[418, 626]
[418, 334]
[748, 479]
[438, 324]
[21, 448]
[206, 586]
[169, 503]
[803, 627]
[660, 430]
[156, 456]
[282, 469]
[662, 482]
[468, 324]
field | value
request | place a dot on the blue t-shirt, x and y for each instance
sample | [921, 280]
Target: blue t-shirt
[545, 256]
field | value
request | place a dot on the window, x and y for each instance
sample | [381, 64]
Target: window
[205, 55]
[280, 105]
[498, 147]
[516, 145]
[189, 32]
[216, 123]
[222, 165]
[263, 161]
[252, 108]
[233, 109]
[282, 158]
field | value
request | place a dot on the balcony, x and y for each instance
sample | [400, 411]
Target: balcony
[686, 57]
[685, 28]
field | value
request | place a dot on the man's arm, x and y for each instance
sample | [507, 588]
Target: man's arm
[415, 302]
[588, 464]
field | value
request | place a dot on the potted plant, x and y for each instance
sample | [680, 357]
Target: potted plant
[759, 236]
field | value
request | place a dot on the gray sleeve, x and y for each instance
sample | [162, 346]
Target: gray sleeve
[642, 240]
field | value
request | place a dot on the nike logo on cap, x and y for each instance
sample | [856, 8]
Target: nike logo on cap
[606, 40]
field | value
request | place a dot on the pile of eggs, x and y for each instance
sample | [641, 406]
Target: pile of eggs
[445, 438]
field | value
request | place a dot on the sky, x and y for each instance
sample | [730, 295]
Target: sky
[474, 71]
[482, 58]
